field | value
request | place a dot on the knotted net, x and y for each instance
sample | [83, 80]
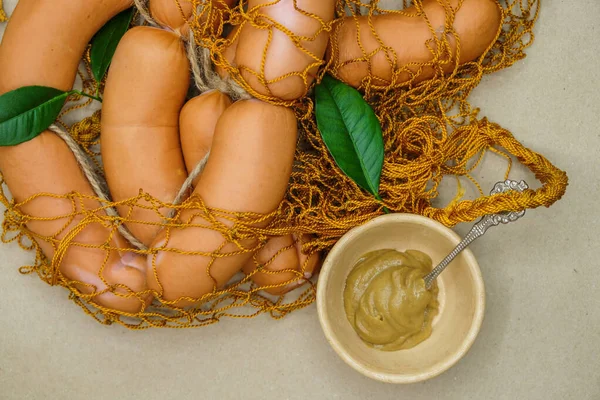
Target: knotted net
[430, 131]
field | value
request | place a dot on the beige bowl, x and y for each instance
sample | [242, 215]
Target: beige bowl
[461, 297]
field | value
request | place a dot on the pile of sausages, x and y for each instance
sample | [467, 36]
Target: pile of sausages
[152, 136]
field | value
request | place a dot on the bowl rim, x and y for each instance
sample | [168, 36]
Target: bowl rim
[452, 359]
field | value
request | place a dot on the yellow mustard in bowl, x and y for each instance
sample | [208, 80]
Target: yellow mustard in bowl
[386, 301]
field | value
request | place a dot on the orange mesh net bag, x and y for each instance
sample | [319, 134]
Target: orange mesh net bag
[430, 131]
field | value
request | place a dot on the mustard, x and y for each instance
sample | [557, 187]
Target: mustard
[386, 301]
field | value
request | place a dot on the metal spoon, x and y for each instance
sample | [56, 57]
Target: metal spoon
[481, 227]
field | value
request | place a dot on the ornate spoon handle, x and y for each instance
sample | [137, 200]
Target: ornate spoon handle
[480, 228]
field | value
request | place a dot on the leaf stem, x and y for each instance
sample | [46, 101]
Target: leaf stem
[385, 209]
[87, 95]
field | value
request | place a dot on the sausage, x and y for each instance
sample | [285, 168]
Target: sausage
[197, 123]
[477, 24]
[175, 14]
[228, 52]
[280, 54]
[291, 257]
[51, 32]
[145, 90]
[51, 49]
[248, 171]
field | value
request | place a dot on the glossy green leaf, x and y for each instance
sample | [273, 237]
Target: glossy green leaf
[28, 111]
[104, 43]
[351, 131]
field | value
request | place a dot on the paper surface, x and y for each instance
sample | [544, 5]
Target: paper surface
[540, 337]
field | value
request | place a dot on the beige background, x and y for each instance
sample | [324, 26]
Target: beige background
[541, 334]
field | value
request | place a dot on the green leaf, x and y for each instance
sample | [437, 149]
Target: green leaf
[351, 132]
[104, 43]
[28, 111]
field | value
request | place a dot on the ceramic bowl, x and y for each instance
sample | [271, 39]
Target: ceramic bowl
[461, 298]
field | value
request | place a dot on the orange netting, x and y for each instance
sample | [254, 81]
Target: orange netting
[430, 131]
